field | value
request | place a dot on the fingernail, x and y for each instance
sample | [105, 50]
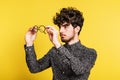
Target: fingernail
[47, 27]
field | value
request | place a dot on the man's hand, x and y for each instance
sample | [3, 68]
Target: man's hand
[30, 36]
[53, 35]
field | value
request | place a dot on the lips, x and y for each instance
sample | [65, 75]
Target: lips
[62, 35]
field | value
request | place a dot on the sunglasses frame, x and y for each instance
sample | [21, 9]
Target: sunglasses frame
[39, 28]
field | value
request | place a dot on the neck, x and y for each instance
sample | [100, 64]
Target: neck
[74, 40]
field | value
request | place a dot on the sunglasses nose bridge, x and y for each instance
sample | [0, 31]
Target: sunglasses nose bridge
[38, 28]
[41, 28]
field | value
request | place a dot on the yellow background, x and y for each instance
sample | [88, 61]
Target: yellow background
[101, 31]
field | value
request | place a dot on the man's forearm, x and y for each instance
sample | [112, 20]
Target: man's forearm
[30, 58]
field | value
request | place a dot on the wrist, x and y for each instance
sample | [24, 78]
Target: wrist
[57, 44]
[29, 44]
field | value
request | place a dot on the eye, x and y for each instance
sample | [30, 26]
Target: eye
[65, 25]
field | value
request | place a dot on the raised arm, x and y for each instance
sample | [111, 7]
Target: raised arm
[34, 65]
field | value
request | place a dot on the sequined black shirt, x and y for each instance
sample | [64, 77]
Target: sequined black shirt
[68, 62]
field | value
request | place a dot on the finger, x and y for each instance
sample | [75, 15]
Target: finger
[30, 29]
[47, 27]
[33, 30]
[50, 28]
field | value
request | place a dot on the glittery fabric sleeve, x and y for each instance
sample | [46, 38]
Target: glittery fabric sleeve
[33, 64]
[80, 65]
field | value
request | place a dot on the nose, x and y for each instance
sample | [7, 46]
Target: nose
[62, 29]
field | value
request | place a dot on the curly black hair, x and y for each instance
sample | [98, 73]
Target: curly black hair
[70, 15]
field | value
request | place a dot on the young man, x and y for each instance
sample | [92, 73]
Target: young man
[71, 61]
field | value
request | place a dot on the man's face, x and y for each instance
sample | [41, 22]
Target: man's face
[67, 32]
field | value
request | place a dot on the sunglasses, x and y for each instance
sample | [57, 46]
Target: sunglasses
[40, 28]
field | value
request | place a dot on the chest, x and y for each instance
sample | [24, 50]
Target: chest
[63, 63]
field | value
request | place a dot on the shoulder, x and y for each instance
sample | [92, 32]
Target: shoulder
[90, 51]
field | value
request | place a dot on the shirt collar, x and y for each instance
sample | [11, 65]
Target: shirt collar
[75, 45]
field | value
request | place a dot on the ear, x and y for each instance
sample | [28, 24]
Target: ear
[77, 29]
